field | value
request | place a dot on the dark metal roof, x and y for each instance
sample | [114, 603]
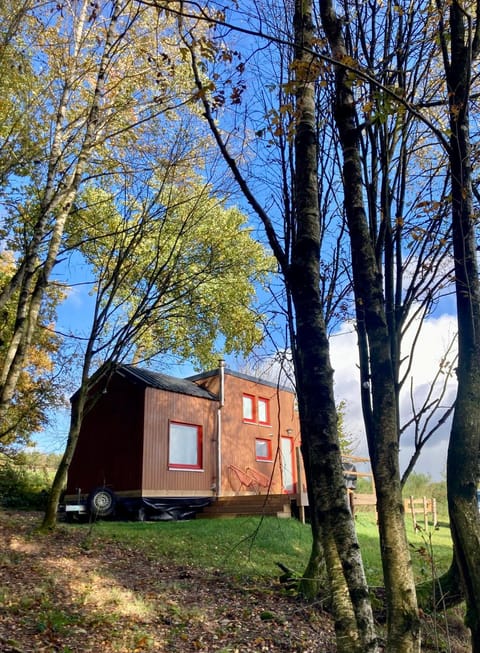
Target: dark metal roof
[165, 382]
[241, 375]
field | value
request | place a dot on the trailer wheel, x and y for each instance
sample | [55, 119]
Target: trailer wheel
[101, 502]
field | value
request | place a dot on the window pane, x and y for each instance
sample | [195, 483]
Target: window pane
[263, 416]
[184, 445]
[263, 450]
[248, 407]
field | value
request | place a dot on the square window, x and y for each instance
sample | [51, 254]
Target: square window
[263, 449]
[248, 408]
[263, 411]
[185, 446]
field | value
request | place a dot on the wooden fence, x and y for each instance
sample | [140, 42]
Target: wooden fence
[422, 510]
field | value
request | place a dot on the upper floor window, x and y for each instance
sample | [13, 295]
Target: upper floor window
[263, 411]
[185, 446]
[256, 410]
[249, 408]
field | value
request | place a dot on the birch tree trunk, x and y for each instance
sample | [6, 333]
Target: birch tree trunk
[402, 614]
[79, 406]
[49, 521]
[333, 522]
[320, 444]
[54, 210]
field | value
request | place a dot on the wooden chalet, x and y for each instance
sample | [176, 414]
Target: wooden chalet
[204, 439]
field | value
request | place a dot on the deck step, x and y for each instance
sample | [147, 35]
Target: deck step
[277, 505]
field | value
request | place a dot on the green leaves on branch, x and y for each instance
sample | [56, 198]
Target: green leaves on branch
[177, 273]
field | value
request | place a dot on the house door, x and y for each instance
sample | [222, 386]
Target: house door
[288, 476]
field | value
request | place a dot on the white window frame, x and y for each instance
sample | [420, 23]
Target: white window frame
[248, 408]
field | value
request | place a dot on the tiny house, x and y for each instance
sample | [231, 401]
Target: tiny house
[153, 443]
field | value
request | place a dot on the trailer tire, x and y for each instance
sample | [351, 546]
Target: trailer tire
[101, 502]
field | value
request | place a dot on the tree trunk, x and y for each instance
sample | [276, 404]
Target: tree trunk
[59, 482]
[442, 592]
[81, 402]
[332, 520]
[403, 625]
[320, 443]
[54, 211]
[313, 585]
[464, 447]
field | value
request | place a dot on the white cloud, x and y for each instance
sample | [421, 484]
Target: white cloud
[432, 345]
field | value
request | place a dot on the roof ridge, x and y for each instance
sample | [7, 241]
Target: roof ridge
[163, 381]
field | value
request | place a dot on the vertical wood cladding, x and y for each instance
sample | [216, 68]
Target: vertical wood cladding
[238, 436]
[161, 407]
[125, 436]
[110, 447]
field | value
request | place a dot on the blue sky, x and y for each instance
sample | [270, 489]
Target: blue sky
[74, 315]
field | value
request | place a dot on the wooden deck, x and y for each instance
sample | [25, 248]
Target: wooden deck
[276, 505]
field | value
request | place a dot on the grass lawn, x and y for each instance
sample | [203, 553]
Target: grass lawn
[200, 585]
[251, 547]
[431, 550]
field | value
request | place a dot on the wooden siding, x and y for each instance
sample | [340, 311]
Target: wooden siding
[238, 436]
[161, 407]
[124, 438]
[109, 449]
[210, 382]
[275, 505]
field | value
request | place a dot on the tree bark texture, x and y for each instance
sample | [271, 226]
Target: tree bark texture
[403, 625]
[320, 444]
[464, 447]
[60, 480]
[332, 520]
[79, 404]
[314, 582]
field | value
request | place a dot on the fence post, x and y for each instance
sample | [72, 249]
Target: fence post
[425, 513]
[434, 513]
[412, 510]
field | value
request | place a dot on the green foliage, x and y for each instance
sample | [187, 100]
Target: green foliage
[20, 86]
[25, 480]
[421, 485]
[86, 94]
[417, 485]
[37, 389]
[172, 274]
[364, 486]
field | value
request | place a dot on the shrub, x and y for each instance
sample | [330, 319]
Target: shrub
[21, 487]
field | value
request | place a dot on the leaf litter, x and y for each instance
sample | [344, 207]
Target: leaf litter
[59, 595]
